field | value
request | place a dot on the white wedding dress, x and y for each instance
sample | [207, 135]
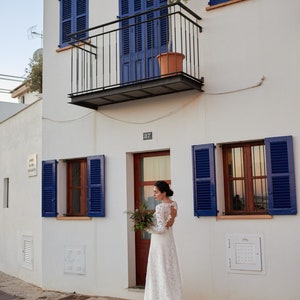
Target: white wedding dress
[163, 280]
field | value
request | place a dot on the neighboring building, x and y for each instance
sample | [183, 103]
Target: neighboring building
[23, 95]
[20, 189]
[112, 125]
[24, 98]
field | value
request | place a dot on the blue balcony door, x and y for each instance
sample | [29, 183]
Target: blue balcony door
[142, 38]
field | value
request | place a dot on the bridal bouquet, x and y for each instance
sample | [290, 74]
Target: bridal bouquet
[141, 217]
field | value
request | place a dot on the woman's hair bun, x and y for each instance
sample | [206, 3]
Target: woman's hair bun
[163, 186]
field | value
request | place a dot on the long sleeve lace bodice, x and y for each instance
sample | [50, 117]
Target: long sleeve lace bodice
[162, 216]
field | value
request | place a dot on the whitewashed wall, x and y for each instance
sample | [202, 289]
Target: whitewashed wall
[241, 44]
[20, 138]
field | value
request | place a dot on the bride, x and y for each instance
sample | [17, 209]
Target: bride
[163, 276]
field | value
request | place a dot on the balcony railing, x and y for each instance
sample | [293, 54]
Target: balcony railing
[120, 60]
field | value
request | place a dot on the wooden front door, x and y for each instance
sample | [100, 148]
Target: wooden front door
[148, 168]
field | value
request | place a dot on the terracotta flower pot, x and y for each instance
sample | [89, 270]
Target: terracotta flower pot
[170, 62]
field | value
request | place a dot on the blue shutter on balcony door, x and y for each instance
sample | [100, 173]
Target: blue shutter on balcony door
[163, 30]
[125, 45]
[73, 18]
[141, 39]
[96, 186]
[49, 188]
[204, 180]
[281, 176]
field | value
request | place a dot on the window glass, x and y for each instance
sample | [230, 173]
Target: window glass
[259, 177]
[236, 163]
[75, 201]
[75, 173]
[155, 168]
[77, 188]
[237, 195]
[5, 192]
[245, 178]
[147, 196]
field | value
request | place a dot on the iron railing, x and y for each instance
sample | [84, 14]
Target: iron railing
[125, 51]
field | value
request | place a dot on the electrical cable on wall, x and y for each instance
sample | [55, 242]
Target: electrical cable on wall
[239, 90]
[66, 121]
[152, 120]
[164, 115]
[184, 105]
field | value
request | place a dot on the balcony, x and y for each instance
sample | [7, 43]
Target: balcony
[120, 62]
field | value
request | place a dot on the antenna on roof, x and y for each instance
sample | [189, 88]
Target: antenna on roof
[32, 33]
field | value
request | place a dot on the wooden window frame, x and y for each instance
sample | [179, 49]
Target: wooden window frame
[95, 178]
[247, 177]
[82, 187]
[280, 182]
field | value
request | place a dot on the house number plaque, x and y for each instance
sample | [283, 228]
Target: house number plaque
[147, 135]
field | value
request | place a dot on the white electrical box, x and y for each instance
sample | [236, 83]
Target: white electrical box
[244, 252]
[75, 260]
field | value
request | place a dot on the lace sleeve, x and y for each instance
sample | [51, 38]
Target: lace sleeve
[160, 221]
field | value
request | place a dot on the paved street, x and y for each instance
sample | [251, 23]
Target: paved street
[12, 288]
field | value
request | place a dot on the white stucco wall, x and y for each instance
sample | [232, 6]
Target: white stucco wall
[240, 44]
[21, 137]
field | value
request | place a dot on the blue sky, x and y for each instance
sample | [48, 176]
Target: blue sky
[17, 17]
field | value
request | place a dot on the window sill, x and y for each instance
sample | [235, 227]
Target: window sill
[223, 4]
[245, 217]
[136, 289]
[63, 49]
[72, 46]
[65, 218]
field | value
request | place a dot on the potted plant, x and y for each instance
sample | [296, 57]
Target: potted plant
[171, 62]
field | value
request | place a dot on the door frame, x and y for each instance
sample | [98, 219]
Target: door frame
[142, 246]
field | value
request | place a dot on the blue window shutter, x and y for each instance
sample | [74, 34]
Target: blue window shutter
[49, 188]
[81, 17]
[73, 17]
[96, 186]
[65, 21]
[281, 176]
[215, 2]
[204, 180]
